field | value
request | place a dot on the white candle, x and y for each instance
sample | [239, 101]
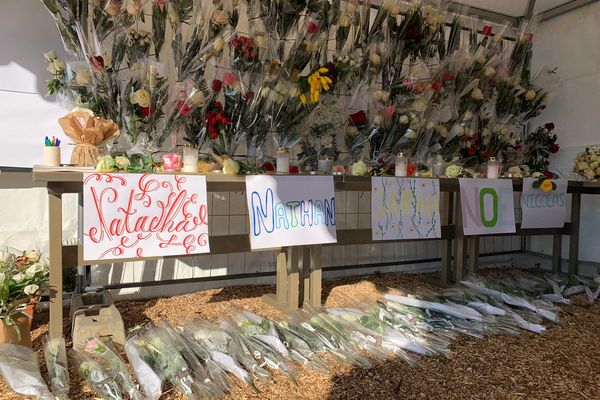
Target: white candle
[283, 161]
[325, 166]
[190, 159]
[401, 165]
[493, 168]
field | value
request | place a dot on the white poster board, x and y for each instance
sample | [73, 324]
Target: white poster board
[405, 208]
[487, 206]
[290, 210]
[544, 209]
[143, 215]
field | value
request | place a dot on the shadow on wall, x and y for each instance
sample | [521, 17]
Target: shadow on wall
[27, 31]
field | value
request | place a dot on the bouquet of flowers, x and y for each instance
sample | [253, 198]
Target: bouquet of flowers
[56, 363]
[96, 375]
[587, 163]
[24, 277]
[538, 146]
[21, 372]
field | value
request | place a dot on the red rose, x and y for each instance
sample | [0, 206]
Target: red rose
[529, 37]
[358, 118]
[436, 85]
[312, 27]
[471, 151]
[146, 111]
[487, 30]
[269, 166]
[549, 126]
[184, 109]
[548, 174]
[412, 32]
[96, 62]
[249, 96]
[484, 154]
[216, 85]
[218, 105]
[554, 148]
[410, 170]
[447, 77]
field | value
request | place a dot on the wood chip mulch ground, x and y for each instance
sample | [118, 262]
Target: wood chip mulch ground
[562, 363]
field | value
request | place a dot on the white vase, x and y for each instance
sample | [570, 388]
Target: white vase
[190, 159]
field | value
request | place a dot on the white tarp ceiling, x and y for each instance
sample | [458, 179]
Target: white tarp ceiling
[513, 8]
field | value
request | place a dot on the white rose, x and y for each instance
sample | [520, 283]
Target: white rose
[219, 43]
[497, 38]
[327, 141]
[33, 255]
[350, 8]
[530, 95]
[113, 8]
[197, 99]
[220, 17]
[31, 289]
[468, 115]
[410, 134]
[375, 59]
[403, 119]
[50, 56]
[442, 131]
[134, 7]
[34, 269]
[230, 167]
[359, 168]
[140, 97]
[83, 77]
[122, 162]
[56, 67]
[582, 165]
[4, 256]
[260, 41]
[427, 9]
[377, 120]
[489, 72]
[382, 95]
[82, 109]
[477, 94]
[419, 105]
[430, 125]
[351, 131]
[19, 277]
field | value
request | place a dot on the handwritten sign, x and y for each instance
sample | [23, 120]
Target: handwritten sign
[487, 206]
[405, 208]
[290, 210]
[544, 209]
[143, 215]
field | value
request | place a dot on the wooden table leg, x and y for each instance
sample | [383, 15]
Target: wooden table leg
[460, 244]
[316, 275]
[305, 264]
[556, 253]
[293, 278]
[281, 281]
[55, 260]
[574, 237]
[473, 254]
[448, 205]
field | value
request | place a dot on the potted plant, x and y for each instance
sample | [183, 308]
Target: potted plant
[23, 277]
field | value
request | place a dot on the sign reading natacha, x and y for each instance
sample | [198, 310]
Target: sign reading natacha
[290, 210]
[143, 215]
[487, 206]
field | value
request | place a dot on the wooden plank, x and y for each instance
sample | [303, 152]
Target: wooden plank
[281, 278]
[460, 243]
[55, 263]
[556, 253]
[293, 278]
[305, 264]
[574, 237]
[473, 254]
[446, 264]
[316, 275]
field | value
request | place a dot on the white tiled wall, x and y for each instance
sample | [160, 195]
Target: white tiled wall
[229, 215]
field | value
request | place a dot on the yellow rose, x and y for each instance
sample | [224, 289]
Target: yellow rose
[375, 59]
[489, 72]
[140, 97]
[230, 167]
[546, 186]
[530, 95]
[359, 169]
[477, 94]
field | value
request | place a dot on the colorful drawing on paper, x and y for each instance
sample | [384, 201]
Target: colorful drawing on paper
[143, 215]
[405, 208]
[487, 206]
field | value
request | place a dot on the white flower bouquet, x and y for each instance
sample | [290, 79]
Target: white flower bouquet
[587, 163]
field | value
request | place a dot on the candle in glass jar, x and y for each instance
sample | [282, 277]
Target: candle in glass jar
[283, 161]
[401, 165]
[325, 166]
[190, 159]
[171, 162]
[438, 167]
[493, 168]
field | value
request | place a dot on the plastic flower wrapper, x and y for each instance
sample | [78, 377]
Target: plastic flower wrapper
[111, 364]
[104, 383]
[305, 50]
[245, 54]
[265, 354]
[150, 382]
[224, 351]
[21, 372]
[157, 349]
[55, 354]
[334, 337]
[64, 15]
[181, 107]
[301, 344]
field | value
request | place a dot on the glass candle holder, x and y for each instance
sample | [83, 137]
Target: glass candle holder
[401, 165]
[438, 166]
[283, 160]
[493, 168]
[325, 166]
[171, 162]
[190, 159]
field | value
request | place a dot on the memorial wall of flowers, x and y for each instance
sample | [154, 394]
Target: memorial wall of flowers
[246, 83]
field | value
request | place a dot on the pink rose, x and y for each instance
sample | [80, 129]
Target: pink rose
[389, 111]
[229, 78]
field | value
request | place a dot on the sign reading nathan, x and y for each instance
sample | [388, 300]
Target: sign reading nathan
[487, 206]
[290, 210]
